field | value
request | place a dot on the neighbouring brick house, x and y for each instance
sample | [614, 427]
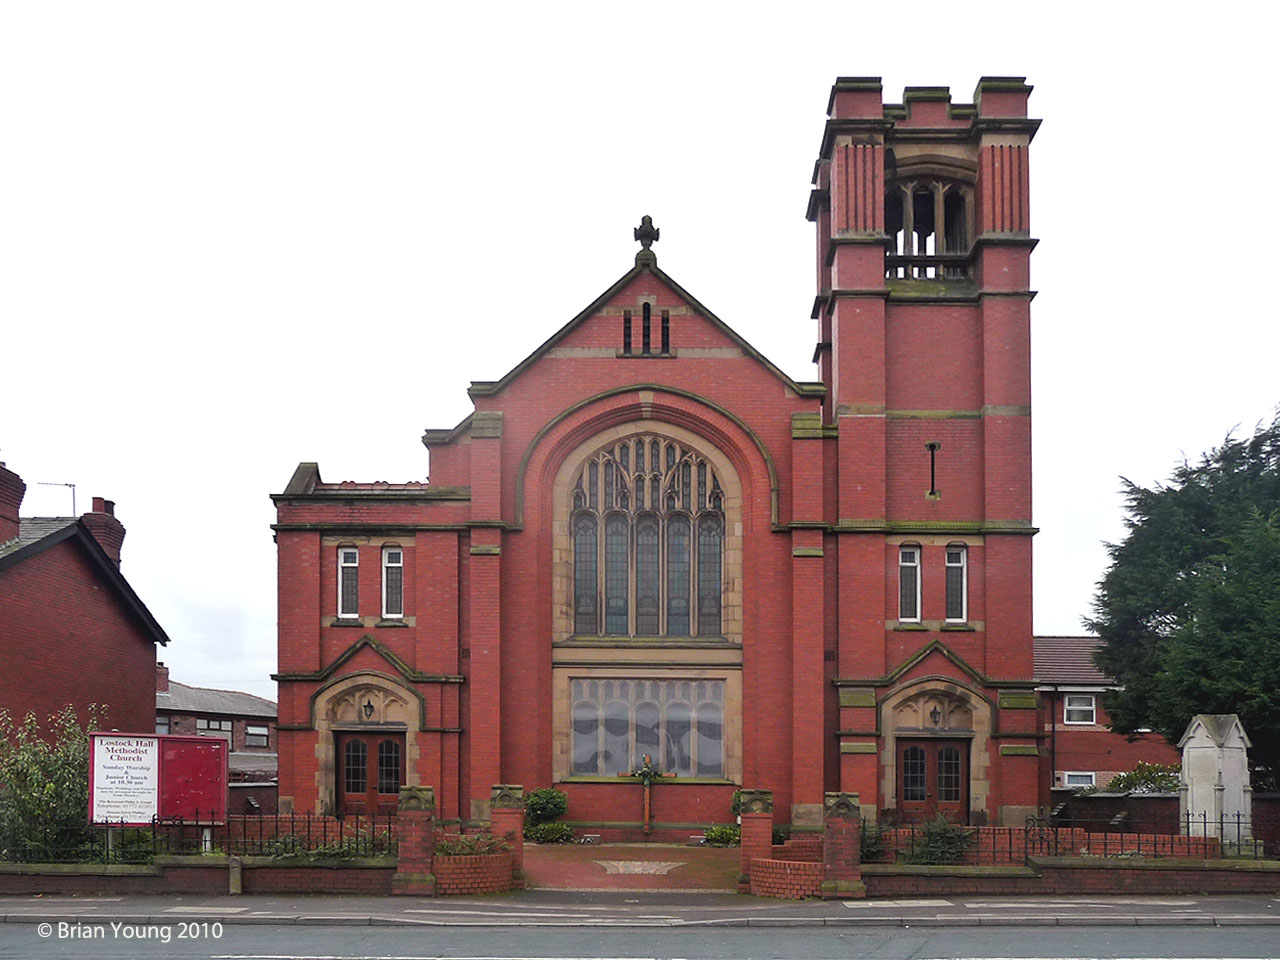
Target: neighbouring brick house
[648, 539]
[1081, 750]
[246, 722]
[72, 631]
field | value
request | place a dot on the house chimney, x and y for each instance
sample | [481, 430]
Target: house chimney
[104, 526]
[11, 491]
[162, 677]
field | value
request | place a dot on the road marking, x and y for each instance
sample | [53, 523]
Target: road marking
[500, 913]
[204, 909]
[854, 904]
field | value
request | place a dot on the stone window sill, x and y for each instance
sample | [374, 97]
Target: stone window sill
[346, 622]
[392, 622]
[900, 625]
[959, 627]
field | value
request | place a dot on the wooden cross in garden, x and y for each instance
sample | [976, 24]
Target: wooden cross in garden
[646, 774]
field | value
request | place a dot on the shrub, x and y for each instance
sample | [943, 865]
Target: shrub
[548, 833]
[543, 805]
[723, 836]
[44, 787]
[479, 845]
[872, 843]
[938, 841]
[1147, 778]
[780, 835]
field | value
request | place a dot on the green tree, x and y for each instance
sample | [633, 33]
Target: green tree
[1189, 610]
[44, 785]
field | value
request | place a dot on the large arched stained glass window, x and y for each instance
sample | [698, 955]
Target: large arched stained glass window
[648, 541]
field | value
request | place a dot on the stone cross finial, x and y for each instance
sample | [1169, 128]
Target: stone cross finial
[646, 233]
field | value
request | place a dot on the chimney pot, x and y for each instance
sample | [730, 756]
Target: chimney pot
[106, 529]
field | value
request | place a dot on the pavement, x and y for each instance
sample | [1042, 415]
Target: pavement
[667, 909]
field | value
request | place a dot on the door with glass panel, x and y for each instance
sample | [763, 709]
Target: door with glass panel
[933, 778]
[370, 773]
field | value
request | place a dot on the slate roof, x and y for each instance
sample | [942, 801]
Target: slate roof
[31, 529]
[1068, 660]
[184, 699]
[253, 762]
[37, 534]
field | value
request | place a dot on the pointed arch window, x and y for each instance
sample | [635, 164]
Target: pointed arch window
[648, 541]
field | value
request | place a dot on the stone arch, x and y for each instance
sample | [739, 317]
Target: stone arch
[963, 713]
[339, 706]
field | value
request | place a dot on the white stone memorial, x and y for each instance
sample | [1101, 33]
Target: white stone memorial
[1215, 799]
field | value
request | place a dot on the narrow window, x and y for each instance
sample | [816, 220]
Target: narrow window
[709, 539]
[644, 330]
[957, 585]
[1079, 778]
[584, 577]
[162, 725]
[666, 331]
[392, 583]
[913, 774]
[586, 736]
[388, 767]
[949, 775]
[616, 530]
[355, 773]
[626, 331]
[678, 577]
[909, 584]
[348, 581]
[1079, 708]
[710, 740]
[257, 736]
[648, 603]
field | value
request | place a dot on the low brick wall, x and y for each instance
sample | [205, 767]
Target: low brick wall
[785, 879]
[491, 873]
[198, 875]
[805, 849]
[371, 877]
[1068, 875]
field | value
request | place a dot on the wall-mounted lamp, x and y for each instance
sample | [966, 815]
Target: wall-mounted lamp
[936, 716]
[368, 709]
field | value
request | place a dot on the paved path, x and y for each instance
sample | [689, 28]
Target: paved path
[631, 866]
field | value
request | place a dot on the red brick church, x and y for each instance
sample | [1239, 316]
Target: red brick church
[648, 539]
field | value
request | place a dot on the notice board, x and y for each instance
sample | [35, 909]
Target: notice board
[135, 778]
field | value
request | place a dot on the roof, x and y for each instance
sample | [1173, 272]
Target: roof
[1219, 727]
[646, 262]
[37, 534]
[1068, 660]
[242, 762]
[184, 699]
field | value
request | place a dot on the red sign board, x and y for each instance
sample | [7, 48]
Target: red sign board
[134, 778]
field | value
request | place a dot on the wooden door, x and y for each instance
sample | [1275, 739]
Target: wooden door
[370, 773]
[933, 778]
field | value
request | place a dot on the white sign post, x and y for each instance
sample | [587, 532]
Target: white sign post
[125, 784]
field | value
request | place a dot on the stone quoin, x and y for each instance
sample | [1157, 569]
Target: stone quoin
[648, 539]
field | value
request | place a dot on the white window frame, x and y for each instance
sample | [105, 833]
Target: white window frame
[964, 580]
[1067, 707]
[386, 564]
[163, 721]
[1068, 774]
[913, 565]
[249, 731]
[343, 565]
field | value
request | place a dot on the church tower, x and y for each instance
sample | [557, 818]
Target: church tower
[923, 310]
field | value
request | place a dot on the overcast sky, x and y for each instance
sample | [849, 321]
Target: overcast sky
[236, 236]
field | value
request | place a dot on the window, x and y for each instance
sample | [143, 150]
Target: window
[1078, 708]
[162, 725]
[348, 581]
[1075, 778]
[678, 723]
[257, 736]
[392, 583]
[648, 536]
[957, 584]
[212, 728]
[909, 584]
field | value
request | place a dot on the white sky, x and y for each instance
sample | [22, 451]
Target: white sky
[235, 236]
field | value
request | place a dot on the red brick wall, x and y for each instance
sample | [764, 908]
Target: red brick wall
[474, 875]
[785, 879]
[1093, 748]
[66, 638]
